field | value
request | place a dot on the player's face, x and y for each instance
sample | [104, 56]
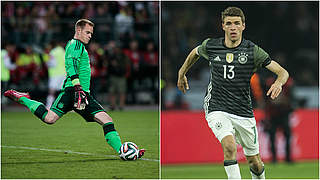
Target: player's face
[233, 28]
[85, 34]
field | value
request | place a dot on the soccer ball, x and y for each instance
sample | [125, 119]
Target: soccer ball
[129, 151]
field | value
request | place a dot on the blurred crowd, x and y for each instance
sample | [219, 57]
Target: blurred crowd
[39, 22]
[288, 31]
[124, 45]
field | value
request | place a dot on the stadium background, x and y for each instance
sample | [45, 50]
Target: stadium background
[33, 26]
[288, 31]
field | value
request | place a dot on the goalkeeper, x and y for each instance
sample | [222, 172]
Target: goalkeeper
[75, 93]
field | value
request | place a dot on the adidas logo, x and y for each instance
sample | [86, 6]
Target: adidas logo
[217, 58]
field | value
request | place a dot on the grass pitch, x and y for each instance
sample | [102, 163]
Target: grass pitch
[298, 170]
[75, 149]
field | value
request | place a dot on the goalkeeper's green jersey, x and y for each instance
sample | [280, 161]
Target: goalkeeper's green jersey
[77, 64]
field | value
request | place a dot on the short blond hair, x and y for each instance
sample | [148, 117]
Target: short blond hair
[82, 23]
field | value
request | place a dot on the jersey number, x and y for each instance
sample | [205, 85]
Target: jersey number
[228, 72]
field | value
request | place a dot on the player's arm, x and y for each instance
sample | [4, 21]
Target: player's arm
[190, 60]
[182, 79]
[282, 78]
[262, 59]
[72, 63]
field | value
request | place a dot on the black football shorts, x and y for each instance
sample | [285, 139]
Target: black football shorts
[65, 101]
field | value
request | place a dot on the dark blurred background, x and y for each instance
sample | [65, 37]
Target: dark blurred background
[125, 30]
[288, 31]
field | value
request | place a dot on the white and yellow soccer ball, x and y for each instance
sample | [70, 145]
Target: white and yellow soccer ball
[129, 151]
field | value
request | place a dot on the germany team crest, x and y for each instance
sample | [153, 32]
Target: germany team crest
[243, 58]
[229, 57]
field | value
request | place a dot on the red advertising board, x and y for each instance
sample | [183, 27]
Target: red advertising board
[187, 138]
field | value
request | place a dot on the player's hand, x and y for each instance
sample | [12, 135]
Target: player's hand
[274, 90]
[80, 98]
[183, 84]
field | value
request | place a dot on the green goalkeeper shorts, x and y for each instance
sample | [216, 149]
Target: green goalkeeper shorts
[65, 101]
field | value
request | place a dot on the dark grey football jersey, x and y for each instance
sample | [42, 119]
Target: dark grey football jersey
[230, 73]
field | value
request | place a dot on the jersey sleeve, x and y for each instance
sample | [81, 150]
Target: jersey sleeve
[202, 50]
[73, 53]
[261, 58]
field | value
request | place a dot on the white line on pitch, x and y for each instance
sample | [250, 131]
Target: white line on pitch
[69, 151]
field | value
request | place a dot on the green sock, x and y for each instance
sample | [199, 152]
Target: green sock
[112, 137]
[37, 108]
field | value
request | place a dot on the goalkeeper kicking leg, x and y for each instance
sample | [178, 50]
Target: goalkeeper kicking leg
[64, 101]
[37, 108]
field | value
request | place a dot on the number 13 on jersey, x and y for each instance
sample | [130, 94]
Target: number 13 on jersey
[228, 71]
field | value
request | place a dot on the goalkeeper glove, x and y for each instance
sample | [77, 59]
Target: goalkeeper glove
[80, 98]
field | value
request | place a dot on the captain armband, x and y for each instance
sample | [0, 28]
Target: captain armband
[75, 79]
[266, 62]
